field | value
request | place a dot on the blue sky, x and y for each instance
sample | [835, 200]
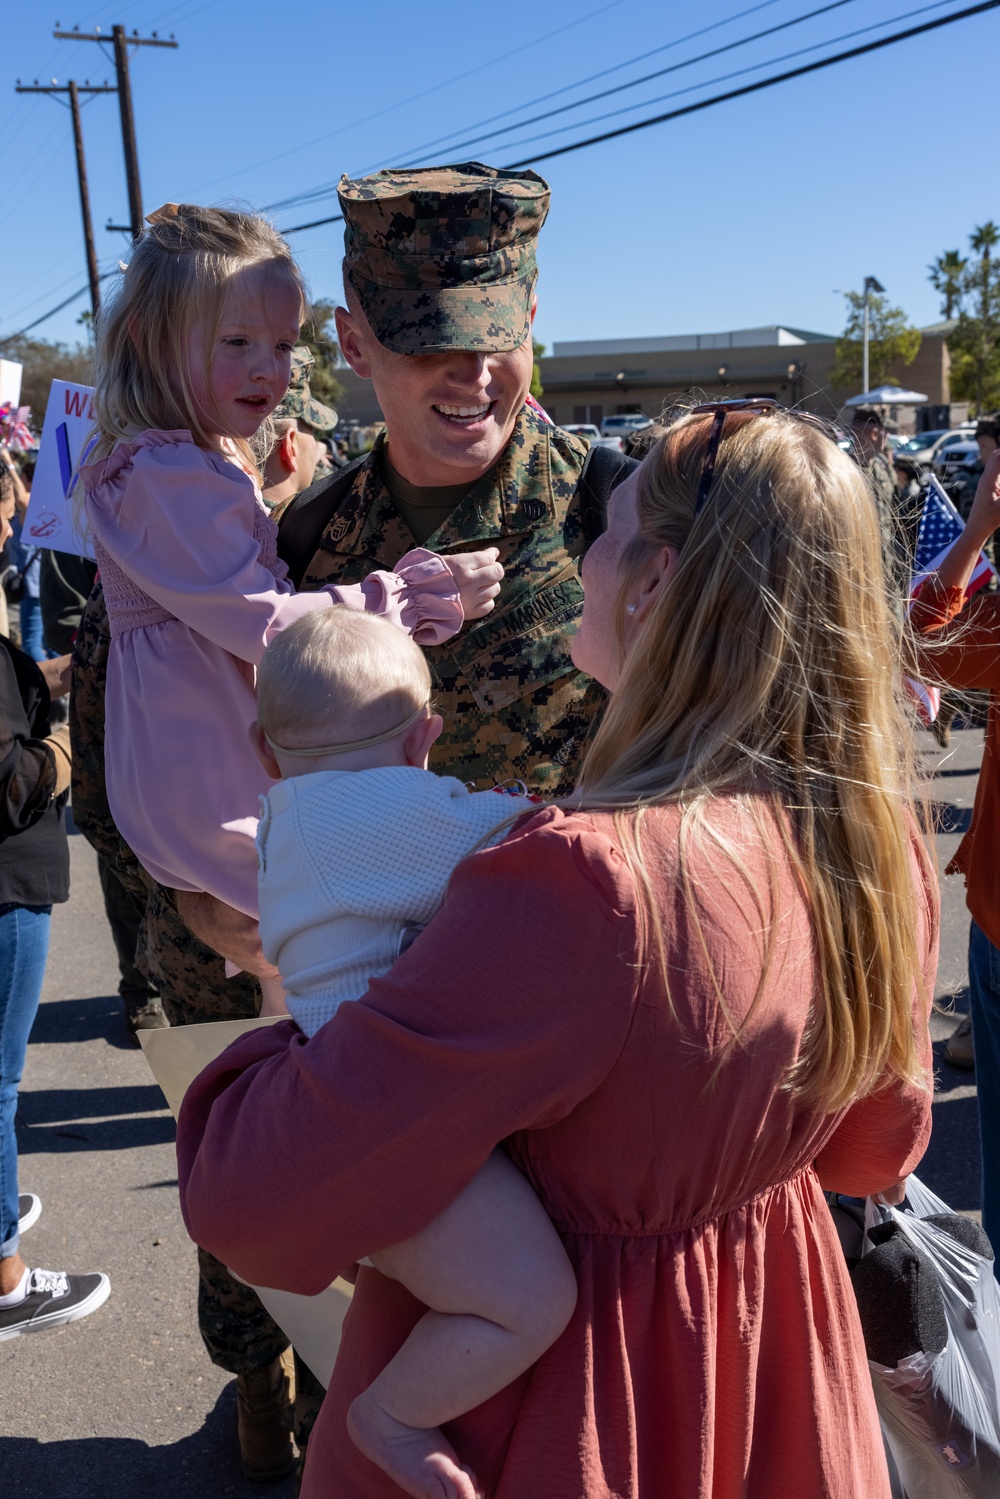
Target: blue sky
[749, 213]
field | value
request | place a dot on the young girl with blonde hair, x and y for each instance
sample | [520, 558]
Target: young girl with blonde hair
[193, 354]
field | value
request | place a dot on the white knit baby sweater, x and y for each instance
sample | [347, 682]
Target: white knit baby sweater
[346, 861]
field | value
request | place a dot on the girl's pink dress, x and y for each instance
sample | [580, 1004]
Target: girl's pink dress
[195, 591]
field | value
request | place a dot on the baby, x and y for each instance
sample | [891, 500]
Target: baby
[355, 848]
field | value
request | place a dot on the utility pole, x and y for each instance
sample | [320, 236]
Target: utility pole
[74, 92]
[871, 285]
[121, 43]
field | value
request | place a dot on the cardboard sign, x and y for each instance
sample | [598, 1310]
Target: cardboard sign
[311, 1323]
[10, 382]
[50, 521]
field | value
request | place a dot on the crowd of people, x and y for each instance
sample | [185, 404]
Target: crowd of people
[566, 804]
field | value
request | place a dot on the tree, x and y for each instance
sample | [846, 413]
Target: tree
[975, 344]
[891, 342]
[44, 362]
[318, 336]
[946, 276]
[535, 388]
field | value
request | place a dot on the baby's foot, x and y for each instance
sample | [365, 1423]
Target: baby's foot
[419, 1459]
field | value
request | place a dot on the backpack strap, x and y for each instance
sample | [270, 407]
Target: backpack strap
[603, 470]
[301, 527]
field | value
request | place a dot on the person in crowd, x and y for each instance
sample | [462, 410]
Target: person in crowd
[515, 707]
[191, 357]
[868, 428]
[963, 486]
[684, 1001]
[34, 875]
[961, 649]
[299, 422]
[345, 722]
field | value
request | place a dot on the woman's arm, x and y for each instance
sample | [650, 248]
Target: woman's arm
[505, 1013]
[984, 518]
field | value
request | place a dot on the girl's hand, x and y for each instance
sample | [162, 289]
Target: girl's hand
[984, 517]
[477, 577]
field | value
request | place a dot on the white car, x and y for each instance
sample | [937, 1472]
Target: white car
[625, 424]
[948, 460]
[926, 446]
[592, 435]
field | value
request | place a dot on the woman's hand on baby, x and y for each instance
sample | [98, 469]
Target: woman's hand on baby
[477, 577]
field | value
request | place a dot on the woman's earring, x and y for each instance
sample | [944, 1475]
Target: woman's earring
[631, 608]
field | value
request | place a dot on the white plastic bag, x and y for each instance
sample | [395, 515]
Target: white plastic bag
[939, 1409]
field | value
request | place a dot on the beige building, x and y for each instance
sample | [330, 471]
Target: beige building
[587, 381]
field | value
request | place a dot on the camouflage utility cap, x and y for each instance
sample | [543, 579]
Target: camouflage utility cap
[444, 257]
[298, 400]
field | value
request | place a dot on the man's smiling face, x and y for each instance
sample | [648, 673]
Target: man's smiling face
[449, 416]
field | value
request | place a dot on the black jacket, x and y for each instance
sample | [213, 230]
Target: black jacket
[34, 852]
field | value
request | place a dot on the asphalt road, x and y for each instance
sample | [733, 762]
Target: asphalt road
[126, 1403]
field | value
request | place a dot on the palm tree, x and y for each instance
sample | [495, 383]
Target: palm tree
[946, 277]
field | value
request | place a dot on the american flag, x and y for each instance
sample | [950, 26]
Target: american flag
[940, 527]
[15, 430]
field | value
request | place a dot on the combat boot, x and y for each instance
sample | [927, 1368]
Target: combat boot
[264, 1417]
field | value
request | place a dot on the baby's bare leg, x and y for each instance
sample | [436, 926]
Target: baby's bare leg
[500, 1289]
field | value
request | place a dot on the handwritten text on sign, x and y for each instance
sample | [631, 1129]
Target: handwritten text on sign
[69, 419]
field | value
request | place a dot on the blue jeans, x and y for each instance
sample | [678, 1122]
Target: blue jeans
[984, 995]
[32, 643]
[24, 945]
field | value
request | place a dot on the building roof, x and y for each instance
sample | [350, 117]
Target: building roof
[743, 338]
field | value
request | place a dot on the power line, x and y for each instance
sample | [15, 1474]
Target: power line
[749, 88]
[675, 67]
[435, 88]
[327, 189]
[763, 83]
[6, 337]
[736, 73]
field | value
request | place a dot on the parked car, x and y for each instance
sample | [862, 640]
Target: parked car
[950, 458]
[925, 446]
[625, 424]
[592, 435]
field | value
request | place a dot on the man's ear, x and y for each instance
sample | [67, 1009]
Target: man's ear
[263, 751]
[418, 741]
[351, 341]
[288, 450]
[534, 309]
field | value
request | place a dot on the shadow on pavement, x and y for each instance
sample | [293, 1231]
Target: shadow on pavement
[99, 1017]
[62, 1119]
[951, 1165]
[201, 1466]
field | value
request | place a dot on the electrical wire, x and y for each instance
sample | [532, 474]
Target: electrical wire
[412, 98]
[763, 83]
[676, 67]
[750, 88]
[736, 73]
[7, 337]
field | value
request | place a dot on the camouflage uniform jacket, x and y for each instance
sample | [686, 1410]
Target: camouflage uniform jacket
[514, 705]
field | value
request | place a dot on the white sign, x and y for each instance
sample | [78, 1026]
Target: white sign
[51, 520]
[10, 382]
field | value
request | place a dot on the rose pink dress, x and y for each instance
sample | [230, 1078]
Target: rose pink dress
[195, 591]
[715, 1351]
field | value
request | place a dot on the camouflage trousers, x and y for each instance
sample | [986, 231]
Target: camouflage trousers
[238, 1333]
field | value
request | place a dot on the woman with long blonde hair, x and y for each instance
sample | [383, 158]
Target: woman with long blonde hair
[685, 1002]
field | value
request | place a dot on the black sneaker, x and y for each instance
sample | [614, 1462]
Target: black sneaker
[29, 1210]
[53, 1298]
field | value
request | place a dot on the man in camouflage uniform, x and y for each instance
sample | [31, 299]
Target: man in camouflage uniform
[440, 274]
[299, 421]
[869, 433]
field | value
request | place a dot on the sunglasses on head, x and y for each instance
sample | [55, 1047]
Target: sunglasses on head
[763, 406]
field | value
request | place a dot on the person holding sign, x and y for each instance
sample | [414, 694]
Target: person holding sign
[192, 357]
